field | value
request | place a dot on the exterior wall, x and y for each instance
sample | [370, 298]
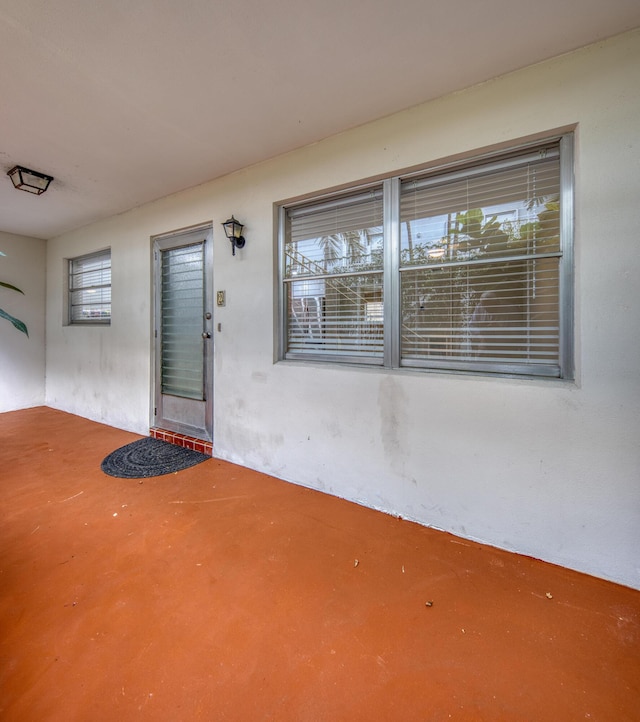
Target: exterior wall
[22, 359]
[545, 468]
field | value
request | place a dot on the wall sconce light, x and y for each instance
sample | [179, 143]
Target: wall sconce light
[29, 180]
[233, 229]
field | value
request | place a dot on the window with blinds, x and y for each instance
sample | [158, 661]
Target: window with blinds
[90, 288]
[480, 266]
[475, 261]
[333, 274]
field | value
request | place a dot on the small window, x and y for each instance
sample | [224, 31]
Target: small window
[465, 268]
[90, 289]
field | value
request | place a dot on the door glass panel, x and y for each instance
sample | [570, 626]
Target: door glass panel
[182, 309]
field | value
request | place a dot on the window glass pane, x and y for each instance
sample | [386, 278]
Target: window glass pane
[507, 212]
[95, 272]
[332, 265]
[488, 313]
[339, 316]
[91, 304]
[340, 237]
[470, 301]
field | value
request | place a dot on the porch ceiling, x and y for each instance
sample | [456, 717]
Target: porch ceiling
[130, 100]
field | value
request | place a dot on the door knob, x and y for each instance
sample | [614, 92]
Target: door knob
[206, 334]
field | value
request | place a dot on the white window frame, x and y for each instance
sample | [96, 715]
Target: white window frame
[78, 281]
[391, 191]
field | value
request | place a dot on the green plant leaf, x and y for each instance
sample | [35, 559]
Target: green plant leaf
[15, 321]
[13, 288]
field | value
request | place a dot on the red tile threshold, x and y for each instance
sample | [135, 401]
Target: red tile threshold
[188, 442]
[224, 594]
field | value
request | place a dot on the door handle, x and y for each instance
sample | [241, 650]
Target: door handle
[206, 334]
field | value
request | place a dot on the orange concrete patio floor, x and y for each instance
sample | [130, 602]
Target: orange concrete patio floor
[219, 593]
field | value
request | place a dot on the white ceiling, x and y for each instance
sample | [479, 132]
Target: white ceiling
[126, 101]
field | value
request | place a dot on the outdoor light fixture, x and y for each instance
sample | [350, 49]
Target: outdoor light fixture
[29, 180]
[233, 229]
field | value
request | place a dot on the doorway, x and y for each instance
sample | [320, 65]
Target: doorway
[183, 343]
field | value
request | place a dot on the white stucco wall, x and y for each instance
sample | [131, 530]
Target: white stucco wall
[22, 359]
[546, 468]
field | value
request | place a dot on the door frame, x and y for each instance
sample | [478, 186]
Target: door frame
[160, 242]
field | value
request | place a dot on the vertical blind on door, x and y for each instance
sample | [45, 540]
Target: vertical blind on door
[182, 322]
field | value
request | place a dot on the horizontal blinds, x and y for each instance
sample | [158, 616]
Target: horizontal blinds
[494, 314]
[481, 214]
[333, 216]
[90, 288]
[182, 307]
[480, 266]
[333, 278]
[343, 317]
[527, 158]
[335, 237]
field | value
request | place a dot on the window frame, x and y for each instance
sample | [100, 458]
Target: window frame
[104, 254]
[392, 303]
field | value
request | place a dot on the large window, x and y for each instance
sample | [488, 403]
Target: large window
[467, 267]
[90, 288]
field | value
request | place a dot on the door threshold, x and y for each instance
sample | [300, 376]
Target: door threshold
[188, 442]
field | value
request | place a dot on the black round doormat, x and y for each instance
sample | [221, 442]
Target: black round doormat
[149, 457]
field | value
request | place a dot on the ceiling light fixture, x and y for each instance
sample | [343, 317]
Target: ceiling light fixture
[233, 229]
[29, 180]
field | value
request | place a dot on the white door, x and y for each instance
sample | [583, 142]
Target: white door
[183, 333]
